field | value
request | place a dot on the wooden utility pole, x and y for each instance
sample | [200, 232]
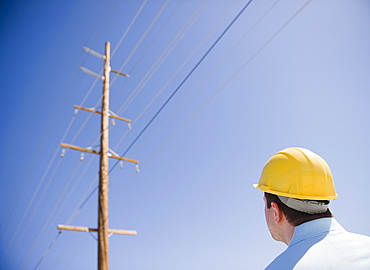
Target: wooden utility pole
[103, 229]
[103, 237]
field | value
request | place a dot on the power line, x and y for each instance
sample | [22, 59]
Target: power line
[52, 160]
[104, 24]
[142, 56]
[180, 34]
[48, 250]
[33, 213]
[217, 92]
[186, 78]
[223, 33]
[43, 139]
[82, 204]
[176, 90]
[129, 27]
[52, 216]
[63, 98]
[225, 84]
[209, 73]
[157, 64]
[232, 77]
[100, 73]
[222, 87]
[151, 43]
[204, 56]
[142, 38]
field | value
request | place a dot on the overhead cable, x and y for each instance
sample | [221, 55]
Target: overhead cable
[51, 161]
[157, 64]
[150, 44]
[230, 79]
[52, 216]
[128, 27]
[70, 124]
[47, 250]
[184, 63]
[141, 39]
[223, 33]
[186, 78]
[166, 52]
[221, 88]
[206, 77]
[81, 205]
[209, 50]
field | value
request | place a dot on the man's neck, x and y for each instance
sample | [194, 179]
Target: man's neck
[287, 232]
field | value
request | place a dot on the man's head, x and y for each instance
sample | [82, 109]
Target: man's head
[298, 185]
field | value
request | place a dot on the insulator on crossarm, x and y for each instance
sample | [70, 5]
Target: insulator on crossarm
[137, 168]
[82, 157]
[129, 126]
[75, 112]
[63, 153]
[121, 164]
[113, 122]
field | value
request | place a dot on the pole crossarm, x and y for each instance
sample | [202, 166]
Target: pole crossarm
[94, 53]
[119, 73]
[94, 111]
[64, 145]
[86, 229]
[92, 73]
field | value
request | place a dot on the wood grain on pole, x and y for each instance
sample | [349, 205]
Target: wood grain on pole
[103, 235]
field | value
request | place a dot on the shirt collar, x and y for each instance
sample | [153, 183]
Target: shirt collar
[315, 227]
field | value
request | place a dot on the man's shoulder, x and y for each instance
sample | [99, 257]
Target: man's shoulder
[352, 244]
[359, 237]
[336, 250]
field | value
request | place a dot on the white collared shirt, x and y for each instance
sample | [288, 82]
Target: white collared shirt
[324, 244]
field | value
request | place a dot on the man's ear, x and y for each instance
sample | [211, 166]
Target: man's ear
[277, 213]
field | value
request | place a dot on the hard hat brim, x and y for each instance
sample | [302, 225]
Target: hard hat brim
[296, 196]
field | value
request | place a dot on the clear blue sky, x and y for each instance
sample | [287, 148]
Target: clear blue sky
[287, 73]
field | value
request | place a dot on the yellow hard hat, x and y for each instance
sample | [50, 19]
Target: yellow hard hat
[297, 173]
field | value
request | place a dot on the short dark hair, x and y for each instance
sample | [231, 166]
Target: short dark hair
[294, 217]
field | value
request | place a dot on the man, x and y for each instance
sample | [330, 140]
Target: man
[298, 187]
